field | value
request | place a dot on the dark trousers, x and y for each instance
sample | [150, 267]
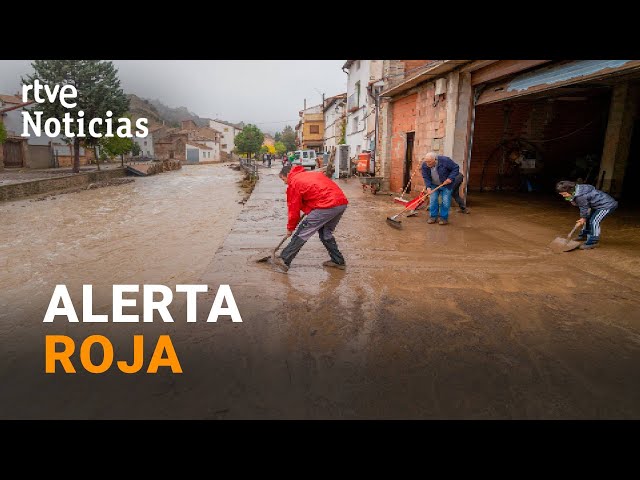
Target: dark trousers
[321, 220]
[455, 194]
[591, 228]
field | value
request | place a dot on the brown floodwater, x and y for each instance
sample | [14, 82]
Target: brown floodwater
[163, 229]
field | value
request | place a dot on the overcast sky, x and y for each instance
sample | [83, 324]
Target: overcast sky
[266, 92]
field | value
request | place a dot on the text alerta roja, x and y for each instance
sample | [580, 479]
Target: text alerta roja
[164, 354]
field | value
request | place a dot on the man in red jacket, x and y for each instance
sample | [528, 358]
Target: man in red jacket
[323, 202]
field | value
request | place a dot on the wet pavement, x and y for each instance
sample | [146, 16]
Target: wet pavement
[474, 320]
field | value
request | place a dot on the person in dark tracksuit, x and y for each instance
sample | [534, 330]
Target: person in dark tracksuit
[437, 170]
[323, 202]
[594, 206]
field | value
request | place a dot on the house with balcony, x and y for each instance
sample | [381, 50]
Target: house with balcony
[361, 104]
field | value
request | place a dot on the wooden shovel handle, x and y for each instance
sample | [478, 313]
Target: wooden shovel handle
[285, 237]
[572, 230]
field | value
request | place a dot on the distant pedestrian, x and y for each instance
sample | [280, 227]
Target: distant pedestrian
[269, 160]
[594, 206]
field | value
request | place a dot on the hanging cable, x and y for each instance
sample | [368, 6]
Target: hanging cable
[563, 136]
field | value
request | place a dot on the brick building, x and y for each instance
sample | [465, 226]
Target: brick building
[190, 143]
[517, 125]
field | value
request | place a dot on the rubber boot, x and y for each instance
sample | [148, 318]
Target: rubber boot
[334, 253]
[290, 251]
[592, 242]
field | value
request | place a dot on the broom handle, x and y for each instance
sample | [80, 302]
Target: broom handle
[409, 208]
[410, 178]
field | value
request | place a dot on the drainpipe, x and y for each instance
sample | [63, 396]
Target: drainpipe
[377, 91]
[473, 124]
[375, 136]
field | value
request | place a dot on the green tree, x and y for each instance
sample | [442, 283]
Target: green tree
[98, 89]
[280, 148]
[264, 149]
[3, 133]
[135, 150]
[277, 137]
[289, 138]
[115, 146]
[249, 140]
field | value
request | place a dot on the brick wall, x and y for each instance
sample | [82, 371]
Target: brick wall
[430, 126]
[411, 65]
[177, 147]
[404, 120]
[67, 160]
[426, 115]
[540, 120]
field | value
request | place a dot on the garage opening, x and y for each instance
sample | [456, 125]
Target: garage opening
[528, 144]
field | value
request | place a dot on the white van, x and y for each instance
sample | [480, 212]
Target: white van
[306, 158]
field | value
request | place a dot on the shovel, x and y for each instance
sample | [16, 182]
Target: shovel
[561, 244]
[273, 254]
[395, 223]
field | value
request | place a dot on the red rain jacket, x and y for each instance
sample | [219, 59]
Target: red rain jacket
[307, 191]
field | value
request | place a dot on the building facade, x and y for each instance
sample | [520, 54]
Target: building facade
[334, 121]
[228, 131]
[512, 125]
[146, 145]
[361, 104]
[33, 151]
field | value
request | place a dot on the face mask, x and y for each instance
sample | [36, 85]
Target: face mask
[570, 197]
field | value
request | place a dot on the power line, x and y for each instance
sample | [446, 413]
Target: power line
[279, 121]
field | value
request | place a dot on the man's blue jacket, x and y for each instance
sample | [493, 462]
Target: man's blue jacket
[446, 168]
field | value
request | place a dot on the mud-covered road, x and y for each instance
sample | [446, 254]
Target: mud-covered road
[474, 320]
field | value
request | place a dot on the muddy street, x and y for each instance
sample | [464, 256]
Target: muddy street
[474, 320]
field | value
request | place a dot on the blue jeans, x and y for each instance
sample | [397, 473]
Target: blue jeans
[445, 195]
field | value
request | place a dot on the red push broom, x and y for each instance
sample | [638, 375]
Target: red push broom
[410, 206]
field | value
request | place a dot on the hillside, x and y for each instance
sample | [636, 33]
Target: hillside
[139, 107]
[174, 116]
[157, 112]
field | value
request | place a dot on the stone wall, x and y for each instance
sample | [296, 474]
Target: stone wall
[36, 187]
[164, 166]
